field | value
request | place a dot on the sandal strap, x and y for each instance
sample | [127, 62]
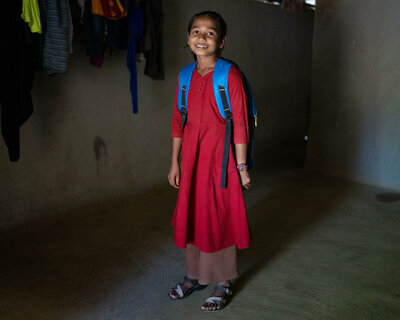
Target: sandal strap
[215, 300]
[192, 281]
[223, 289]
[178, 290]
[179, 287]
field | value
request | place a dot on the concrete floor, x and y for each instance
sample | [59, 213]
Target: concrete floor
[322, 249]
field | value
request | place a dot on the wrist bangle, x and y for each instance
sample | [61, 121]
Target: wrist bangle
[241, 167]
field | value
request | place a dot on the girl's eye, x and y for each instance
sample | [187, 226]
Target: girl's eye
[195, 32]
[211, 34]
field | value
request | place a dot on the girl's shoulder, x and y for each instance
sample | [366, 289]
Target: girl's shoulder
[235, 76]
[235, 73]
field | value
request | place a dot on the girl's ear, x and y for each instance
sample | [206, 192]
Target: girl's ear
[222, 43]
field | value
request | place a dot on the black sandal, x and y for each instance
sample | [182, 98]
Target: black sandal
[183, 291]
[219, 301]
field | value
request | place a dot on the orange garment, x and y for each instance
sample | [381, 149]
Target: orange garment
[97, 8]
[111, 9]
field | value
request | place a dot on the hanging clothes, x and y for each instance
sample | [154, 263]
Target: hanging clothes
[16, 74]
[135, 33]
[58, 28]
[97, 7]
[31, 15]
[101, 33]
[113, 9]
[39, 38]
[70, 29]
[151, 43]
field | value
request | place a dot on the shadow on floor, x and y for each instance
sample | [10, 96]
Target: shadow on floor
[75, 261]
[292, 206]
[55, 267]
[116, 260]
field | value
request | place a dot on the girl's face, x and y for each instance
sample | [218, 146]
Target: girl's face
[203, 38]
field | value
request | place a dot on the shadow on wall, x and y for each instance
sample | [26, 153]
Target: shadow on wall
[333, 117]
[354, 118]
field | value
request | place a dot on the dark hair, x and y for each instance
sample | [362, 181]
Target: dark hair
[220, 23]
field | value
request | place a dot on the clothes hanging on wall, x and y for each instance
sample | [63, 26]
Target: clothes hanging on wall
[151, 44]
[16, 74]
[113, 9]
[145, 36]
[97, 7]
[57, 21]
[102, 32]
[31, 15]
[70, 29]
[135, 33]
[39, 40]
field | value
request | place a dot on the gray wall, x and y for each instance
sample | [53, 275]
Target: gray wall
[355, 114]
[83, 145]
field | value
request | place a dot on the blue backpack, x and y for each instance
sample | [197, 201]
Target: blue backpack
[221, 93]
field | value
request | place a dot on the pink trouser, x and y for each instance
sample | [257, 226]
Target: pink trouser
[211, 267]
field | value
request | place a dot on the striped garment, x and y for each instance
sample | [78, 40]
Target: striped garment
[56, 15]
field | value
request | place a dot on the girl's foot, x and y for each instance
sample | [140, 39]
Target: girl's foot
[182, 290]
[218, 298]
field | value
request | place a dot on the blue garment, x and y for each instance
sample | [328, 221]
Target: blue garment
[135, 14]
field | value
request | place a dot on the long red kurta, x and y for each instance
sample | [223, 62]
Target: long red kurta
[205, 215]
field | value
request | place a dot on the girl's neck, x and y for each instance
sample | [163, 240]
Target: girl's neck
[205, 64]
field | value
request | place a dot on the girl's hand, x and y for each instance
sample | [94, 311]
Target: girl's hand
[245, 178]
[174, 176]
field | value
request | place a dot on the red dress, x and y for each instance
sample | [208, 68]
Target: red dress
[205, 215]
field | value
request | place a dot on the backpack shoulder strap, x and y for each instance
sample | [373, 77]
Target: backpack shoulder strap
[220, 81]
[221, 94]
[185, 75]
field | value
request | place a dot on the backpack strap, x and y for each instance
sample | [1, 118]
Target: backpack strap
[221, 93]
[183, 91]
[228, 131]
[220, 79]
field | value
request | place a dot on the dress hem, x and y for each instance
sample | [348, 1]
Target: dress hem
[208, 251]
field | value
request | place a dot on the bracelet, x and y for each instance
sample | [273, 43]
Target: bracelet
[241, 167]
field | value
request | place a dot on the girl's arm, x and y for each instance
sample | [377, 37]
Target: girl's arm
[174, 174]
[241, 151]
[240, 123]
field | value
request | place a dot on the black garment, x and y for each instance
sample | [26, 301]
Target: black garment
[152, 44]
[16, 74]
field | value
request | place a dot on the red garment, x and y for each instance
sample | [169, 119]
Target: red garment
[205, 215]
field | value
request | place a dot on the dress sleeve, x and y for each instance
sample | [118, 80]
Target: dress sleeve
[238, 100]
[176, 125]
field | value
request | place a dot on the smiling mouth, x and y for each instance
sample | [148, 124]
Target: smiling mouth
[201, 46]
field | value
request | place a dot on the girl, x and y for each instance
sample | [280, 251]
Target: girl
[209, 222]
